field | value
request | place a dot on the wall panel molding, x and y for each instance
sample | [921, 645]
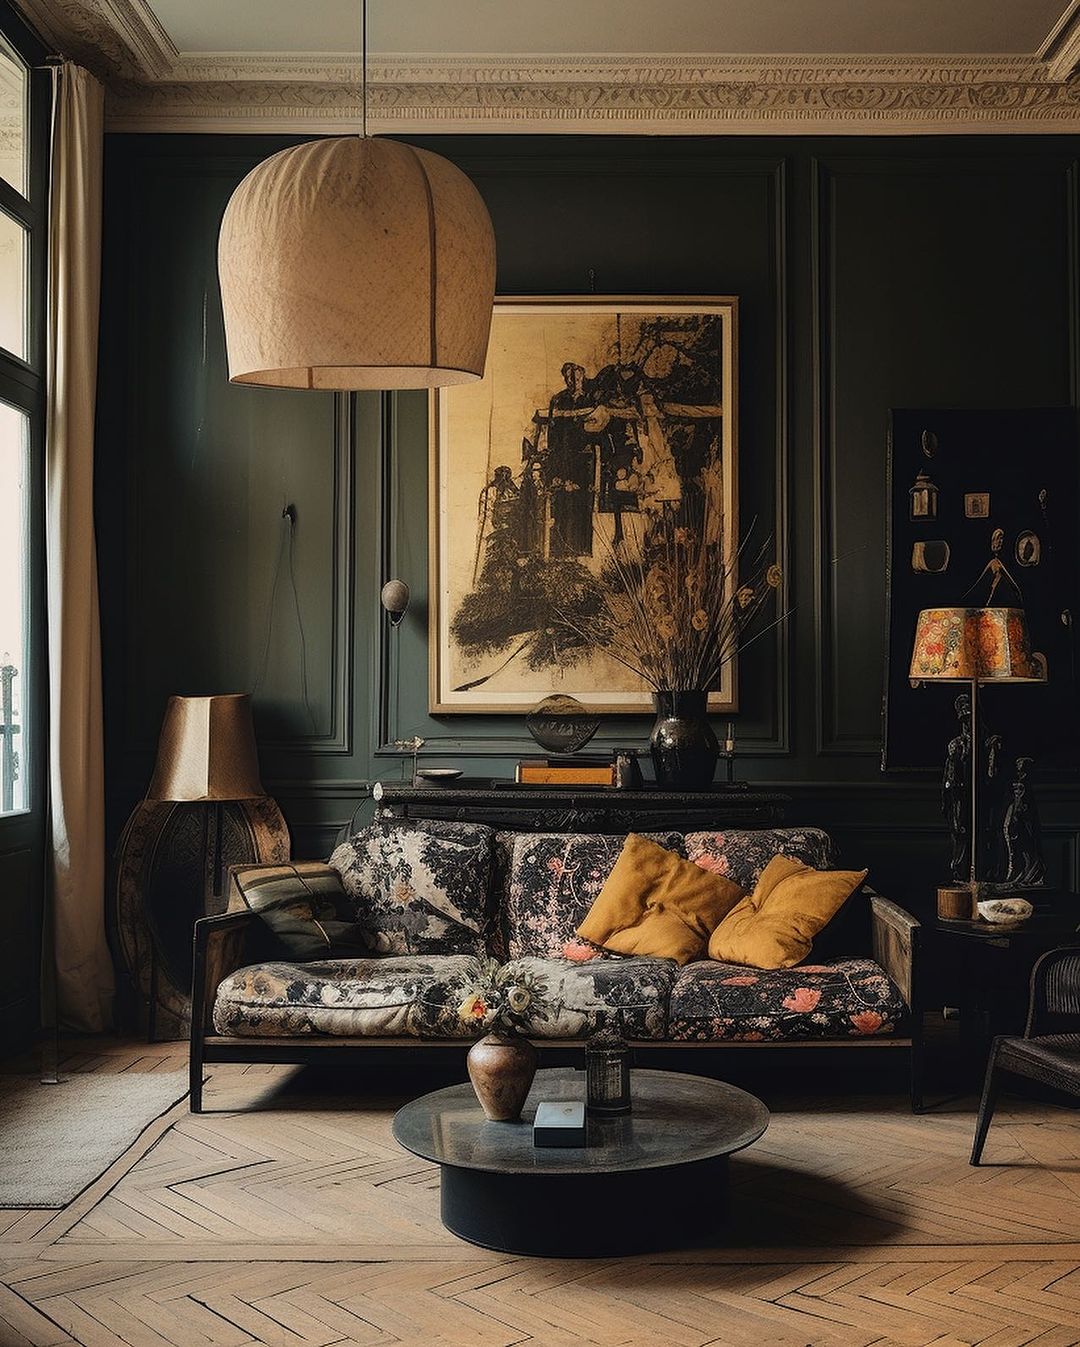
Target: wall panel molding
[338, 739]
[767, 220]
[498, 739]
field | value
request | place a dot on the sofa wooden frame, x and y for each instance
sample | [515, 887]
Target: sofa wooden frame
[219, 951]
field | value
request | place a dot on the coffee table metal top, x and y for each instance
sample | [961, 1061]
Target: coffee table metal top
[676, 1120]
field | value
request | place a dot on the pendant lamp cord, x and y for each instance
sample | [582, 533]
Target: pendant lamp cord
[363, 68]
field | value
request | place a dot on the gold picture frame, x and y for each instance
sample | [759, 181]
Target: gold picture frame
[591, 408]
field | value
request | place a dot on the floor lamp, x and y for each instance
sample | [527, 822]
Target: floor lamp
[206, 809]
[975, 646]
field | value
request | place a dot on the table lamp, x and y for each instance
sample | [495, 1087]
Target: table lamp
[205, 810]
[974, 646]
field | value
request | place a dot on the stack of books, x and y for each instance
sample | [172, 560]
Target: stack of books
[576, 769]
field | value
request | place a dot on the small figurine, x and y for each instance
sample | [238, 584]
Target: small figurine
[995, 569]
[1023, 850]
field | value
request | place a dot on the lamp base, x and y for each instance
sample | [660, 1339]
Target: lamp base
[172, 867]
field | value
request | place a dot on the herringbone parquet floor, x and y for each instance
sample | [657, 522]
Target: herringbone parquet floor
[300, 1223]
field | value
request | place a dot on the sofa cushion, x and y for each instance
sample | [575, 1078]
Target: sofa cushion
[741, 854]
[419, 887]
[846, 999]
[570, 1000]
[775, 926]
[655, 903]
[553, 881]
[305, 910]
[295, 887]
[356, 998]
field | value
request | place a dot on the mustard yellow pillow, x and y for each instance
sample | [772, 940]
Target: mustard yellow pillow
[654, 902]
[774, 927]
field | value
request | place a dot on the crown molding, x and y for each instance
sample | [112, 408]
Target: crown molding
[677, 94]
[1061, 50]
[116, 39]
[153, 87]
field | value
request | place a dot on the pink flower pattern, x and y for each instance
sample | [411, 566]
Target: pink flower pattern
[802, 1000]
[845, 999]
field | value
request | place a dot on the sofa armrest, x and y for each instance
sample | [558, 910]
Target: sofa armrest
[219, 951]
[896, 939]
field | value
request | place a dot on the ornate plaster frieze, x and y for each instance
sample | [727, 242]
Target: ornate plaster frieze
[654, 94]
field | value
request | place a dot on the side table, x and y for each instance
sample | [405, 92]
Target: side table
[984, 969]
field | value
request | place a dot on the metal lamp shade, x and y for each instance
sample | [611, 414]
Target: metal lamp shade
[207, 751]
[973, 645]
[355, 263]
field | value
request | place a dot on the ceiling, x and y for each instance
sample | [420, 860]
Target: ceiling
[747, 67]
[604, 27]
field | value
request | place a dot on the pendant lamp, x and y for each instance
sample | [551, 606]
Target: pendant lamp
[354, 262]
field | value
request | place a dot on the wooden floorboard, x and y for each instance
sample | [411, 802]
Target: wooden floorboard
[290, 1217]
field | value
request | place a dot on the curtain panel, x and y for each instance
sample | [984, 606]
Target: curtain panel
[84, 974]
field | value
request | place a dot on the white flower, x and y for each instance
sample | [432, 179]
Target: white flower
[518, 999]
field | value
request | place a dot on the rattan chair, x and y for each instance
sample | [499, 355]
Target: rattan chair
[1049, 1051]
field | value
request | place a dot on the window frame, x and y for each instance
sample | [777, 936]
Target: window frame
[23, 387]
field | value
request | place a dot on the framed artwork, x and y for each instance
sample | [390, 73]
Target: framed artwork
[998, 529]
[594, 416]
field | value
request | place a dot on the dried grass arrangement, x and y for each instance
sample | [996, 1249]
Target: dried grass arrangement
[668, 602]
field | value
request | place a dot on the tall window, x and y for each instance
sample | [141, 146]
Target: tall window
[24, 103]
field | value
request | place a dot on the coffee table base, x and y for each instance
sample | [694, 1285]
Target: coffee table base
[586, 1215]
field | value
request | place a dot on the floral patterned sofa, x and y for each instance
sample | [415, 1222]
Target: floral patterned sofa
[445, 907]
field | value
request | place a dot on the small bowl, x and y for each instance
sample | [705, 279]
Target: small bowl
[438, 775]
[1005, 911]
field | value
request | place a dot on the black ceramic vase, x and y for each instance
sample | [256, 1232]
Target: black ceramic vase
[684, 748]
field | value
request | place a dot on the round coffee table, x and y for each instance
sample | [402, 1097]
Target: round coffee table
[655, 1178]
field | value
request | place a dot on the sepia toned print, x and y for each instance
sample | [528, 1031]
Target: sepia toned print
[595, 420]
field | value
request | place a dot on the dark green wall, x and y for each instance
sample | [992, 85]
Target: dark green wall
[872, 273]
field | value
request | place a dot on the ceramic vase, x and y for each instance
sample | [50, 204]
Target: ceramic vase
[501, 1068]
[683, 746]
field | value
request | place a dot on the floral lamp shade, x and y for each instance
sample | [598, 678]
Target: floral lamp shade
[983, 645]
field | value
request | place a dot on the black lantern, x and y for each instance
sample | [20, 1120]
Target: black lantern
[607, 1071]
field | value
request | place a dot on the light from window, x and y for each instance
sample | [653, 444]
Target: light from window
[14, 607]
[13, 117]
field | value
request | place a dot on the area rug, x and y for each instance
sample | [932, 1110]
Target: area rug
[56, 1139]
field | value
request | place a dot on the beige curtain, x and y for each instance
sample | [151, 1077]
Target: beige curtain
[76, 782]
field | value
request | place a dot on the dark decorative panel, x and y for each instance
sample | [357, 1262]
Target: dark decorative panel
[941, 284]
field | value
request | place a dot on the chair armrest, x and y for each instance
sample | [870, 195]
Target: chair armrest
[896, 937]
[1054, 1002]
[219, 951]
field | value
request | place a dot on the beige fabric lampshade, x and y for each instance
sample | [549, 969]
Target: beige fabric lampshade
[206, 751]
[356, 263]
[984, 645]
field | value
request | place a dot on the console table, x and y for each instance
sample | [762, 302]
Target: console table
[525, 809]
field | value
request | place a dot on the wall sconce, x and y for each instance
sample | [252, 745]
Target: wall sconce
[923, 498]
[395, 600]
